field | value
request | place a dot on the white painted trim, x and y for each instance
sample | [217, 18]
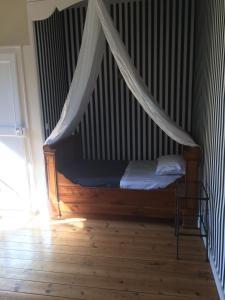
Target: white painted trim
[43, 9]
[35, 121]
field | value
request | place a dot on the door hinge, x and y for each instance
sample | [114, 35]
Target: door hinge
[20, 131]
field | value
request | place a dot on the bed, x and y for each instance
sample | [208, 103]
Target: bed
[72, 193]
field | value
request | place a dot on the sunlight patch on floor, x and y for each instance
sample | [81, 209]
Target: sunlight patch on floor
[13, 220]
[18, 220]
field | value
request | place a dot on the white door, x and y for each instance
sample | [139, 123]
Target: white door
[14, 179]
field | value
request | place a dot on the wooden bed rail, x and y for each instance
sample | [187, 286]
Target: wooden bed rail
[63, 152]
[63, 195]
[192, 157]
[52, 182]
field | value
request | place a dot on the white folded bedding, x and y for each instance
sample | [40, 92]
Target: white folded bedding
[141, 175]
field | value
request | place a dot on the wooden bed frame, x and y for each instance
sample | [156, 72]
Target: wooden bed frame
[67, 199]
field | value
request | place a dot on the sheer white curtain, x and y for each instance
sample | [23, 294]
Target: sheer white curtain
[84, 78]
[40, 10]
[88, 66]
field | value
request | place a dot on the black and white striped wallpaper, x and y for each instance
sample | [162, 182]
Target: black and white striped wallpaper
[209, 120]
[50, 46]
[159, 37]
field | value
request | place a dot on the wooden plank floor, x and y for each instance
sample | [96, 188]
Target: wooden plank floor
[102, 260]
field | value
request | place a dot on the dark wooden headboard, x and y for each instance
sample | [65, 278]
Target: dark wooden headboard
[192, 156]
[55, 156]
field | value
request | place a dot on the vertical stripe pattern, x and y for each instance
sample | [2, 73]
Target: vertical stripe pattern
[209, 118]
[50, 45]
[158, 36]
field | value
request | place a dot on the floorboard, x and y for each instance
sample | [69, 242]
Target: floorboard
[97, 259]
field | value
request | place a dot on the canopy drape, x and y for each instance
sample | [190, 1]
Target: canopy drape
[98, 26]
[40, 10]
[84, 78]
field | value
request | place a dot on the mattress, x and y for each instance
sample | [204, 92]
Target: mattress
[141, 175]
[95, 173]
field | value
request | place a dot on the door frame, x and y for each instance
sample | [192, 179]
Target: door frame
[28, 110]
[36, 123]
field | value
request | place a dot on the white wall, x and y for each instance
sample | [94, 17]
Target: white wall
[13, 23]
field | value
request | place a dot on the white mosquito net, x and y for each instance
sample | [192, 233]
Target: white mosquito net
[98, 28]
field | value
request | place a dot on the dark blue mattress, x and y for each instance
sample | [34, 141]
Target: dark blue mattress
[95, 173]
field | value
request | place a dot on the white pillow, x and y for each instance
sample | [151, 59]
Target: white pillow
[170, 165]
